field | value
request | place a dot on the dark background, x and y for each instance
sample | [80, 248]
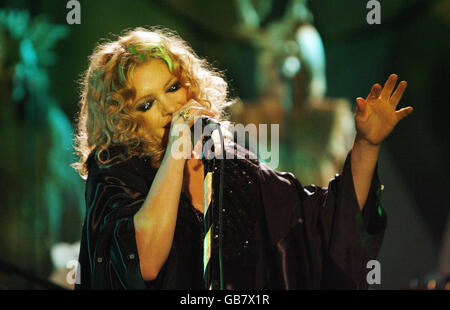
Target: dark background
[412, 41]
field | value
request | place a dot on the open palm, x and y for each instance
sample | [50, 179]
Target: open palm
[376, 116]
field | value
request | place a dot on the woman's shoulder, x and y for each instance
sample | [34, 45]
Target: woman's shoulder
[271, 181]
[246, 160]
[118, 164]
[241, 156]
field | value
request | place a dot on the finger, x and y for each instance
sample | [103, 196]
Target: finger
[196, 114]
[199, 111]
[389, 86]
[193, 109]
[402, 113]
[374, 92]
[185, 110]
[193, 102]
[398, 93]
[360, 104]
[377, 91]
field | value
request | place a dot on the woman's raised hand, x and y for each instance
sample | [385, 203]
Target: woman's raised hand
[189, 113]
[182, 120]
[376, 116]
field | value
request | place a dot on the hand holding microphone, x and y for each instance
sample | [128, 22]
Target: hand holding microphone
[196, 117]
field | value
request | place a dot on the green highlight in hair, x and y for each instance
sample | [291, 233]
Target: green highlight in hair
[121, 73]
[160, 52]
[154, 51]
[132, 50]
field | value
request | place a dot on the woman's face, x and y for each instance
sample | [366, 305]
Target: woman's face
[158, 95]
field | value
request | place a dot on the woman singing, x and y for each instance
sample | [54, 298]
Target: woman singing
[144, 225]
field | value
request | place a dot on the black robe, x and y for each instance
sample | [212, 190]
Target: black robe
[277, 233]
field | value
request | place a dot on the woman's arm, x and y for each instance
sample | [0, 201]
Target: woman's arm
[375, 118]
[155, 222]
[364, 158]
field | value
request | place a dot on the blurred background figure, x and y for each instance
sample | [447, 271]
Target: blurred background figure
[42, 196]
[315, 132]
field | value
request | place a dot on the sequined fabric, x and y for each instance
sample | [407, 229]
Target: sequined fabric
[277, 233]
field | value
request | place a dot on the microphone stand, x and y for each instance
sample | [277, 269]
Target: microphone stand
[211, 212]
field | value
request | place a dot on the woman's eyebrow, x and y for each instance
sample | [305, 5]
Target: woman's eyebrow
[149, 95]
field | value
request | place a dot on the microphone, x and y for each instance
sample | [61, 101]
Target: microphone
[202, 122]
[208, 120]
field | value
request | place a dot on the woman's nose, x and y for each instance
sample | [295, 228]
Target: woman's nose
[169, 107]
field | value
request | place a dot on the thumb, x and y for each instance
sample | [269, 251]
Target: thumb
[361, 104]
[402, 113]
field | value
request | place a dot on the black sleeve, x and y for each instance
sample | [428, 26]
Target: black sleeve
[320, 235]
[350, 237]
[108, 243]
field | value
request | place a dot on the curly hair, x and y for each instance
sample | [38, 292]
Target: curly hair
[106, 116]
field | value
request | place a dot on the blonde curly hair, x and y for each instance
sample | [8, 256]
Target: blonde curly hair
[106, 116]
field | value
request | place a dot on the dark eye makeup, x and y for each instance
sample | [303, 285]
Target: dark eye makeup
[148, 104]
[176, 86]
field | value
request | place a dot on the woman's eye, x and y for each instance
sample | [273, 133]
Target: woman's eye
[146, 105]
[174, 87]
